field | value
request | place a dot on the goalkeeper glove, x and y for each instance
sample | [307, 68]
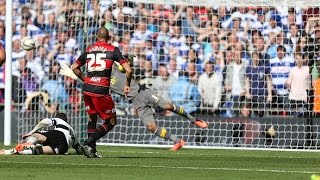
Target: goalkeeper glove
[66, 71]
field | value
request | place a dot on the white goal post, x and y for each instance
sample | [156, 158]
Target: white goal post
[258, 57]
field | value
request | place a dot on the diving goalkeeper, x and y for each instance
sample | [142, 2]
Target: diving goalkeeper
[143, 100]
[56, 141]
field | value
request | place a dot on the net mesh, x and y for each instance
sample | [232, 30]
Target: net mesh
[252, 67]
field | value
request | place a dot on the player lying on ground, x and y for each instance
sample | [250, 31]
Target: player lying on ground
[143, 101]
[56, 141]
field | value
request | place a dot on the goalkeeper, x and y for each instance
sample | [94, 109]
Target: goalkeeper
[56, 141]
[143, 100]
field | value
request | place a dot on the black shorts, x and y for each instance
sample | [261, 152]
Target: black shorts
[56, 140]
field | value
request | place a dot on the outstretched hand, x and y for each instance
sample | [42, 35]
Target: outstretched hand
[67, 71]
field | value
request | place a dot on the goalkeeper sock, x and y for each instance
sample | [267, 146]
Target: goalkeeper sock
[180, 110]
[163, 133]
[92, 127]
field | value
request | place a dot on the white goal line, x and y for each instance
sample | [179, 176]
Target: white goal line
[165, 167]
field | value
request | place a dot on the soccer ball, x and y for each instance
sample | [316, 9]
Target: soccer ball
[27, 43]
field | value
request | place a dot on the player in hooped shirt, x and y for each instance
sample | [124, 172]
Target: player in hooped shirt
[99, 59]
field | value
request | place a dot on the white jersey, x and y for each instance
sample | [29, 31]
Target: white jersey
[62, 126]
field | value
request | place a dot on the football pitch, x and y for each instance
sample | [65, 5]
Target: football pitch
[124, 163]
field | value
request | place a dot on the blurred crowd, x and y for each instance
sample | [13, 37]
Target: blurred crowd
[206, 59]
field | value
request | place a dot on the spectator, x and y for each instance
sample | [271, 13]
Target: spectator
[51, 27]
[185, 94]
[210, 86]
[193, 58]
[35, 66]
[172, 68]
[274, 25]
[148, 75]
[17, 54]
[258, 85]
[192, 73]
[29, 81]
[40, 22]
[235, 81]
[176, 40]
[120, 26]
[261, 48]
[292, 38]
[42, 59]
[57, 92]
[280, 67]
[187, 29]
[298, 83]
[107, 20]
[162, 83]
[150, 53]
[140, 34]
[163, 36]
[121, 7]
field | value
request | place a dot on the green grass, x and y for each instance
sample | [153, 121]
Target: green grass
[127, 163]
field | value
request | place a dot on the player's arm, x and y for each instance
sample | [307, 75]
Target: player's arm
[75, 67]
[2, 55]
[67, 71]
[43, 123]
[126, 66]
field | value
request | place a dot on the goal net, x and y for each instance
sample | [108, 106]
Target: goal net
[250, 68]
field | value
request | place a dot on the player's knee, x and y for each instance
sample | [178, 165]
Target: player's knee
[113, 121]
[108, 125]
[152, 127]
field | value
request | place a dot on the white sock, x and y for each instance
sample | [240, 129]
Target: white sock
[25, 152]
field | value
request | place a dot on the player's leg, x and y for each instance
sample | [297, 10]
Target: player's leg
[147, 116]
[54, 142]
[36, 150]
[167, 105]
[91, 128]
[31, 141]
[106, 110]
[36, 138]
[92, 123]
